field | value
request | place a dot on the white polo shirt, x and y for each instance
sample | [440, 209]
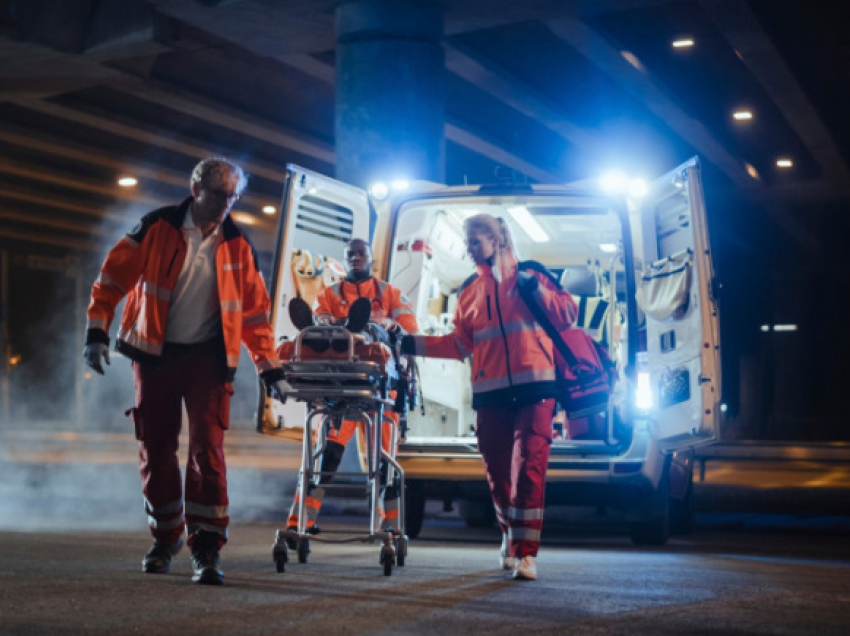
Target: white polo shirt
[194, 314]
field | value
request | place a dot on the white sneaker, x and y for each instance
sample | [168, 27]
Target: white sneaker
[506, 562]
[525, 568]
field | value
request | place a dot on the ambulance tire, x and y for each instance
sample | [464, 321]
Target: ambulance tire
[682, 512]
[654, 529]
[477, 513]
[414, 508]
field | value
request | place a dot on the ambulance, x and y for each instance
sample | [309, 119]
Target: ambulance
[640, 270]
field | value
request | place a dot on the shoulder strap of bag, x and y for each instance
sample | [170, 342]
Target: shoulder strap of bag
[544, 321]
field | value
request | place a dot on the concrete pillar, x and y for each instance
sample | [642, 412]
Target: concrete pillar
[390, 91]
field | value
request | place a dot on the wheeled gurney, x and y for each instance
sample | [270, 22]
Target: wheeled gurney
[347, 380]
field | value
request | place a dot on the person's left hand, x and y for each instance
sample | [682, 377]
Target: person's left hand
[278, 389]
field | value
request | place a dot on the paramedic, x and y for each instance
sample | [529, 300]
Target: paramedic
[194, 294]
[513, 380]
[390, 309]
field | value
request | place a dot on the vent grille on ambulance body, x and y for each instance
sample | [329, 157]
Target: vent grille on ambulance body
[324, 218]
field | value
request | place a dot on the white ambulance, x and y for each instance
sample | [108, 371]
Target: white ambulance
[640, 270]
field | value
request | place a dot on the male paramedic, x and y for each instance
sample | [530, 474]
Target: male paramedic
[390, 309]
[194, 294]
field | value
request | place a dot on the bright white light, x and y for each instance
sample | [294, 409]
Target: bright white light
[683, 43]
[613, 182]
[742, 115]
[723, 407]
[128, 182]
[784, 162]
[400, 184]
[312, 191]
[609, 248]
[643, 392]
[529, 225]
[765, 327]
[379, 190]
[785, 327]
[638, 188]
[269, 209]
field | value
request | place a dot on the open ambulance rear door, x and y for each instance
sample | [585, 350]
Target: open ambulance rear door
[676, 297]
[318, 217]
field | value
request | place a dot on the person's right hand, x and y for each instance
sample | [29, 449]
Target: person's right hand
[92, 353]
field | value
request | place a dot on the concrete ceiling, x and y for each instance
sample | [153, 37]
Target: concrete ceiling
[550, 89]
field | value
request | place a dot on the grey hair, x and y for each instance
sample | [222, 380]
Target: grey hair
[218, 167]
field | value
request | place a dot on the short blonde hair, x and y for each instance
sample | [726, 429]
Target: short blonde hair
[494, 227]
[214, 168]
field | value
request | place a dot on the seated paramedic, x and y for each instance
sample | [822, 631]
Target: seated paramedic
[391, 310]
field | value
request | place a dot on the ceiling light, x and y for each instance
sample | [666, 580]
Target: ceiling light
[784, 162]
[128, 182]
[400, 184]
[609, 248]
[632, 59]
[742, 115]
[269, 209]
[244, 218]
[683, 43]
[785, 327]
[529, 225]
[751, 170]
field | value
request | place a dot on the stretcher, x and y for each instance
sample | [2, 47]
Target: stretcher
[341, 377]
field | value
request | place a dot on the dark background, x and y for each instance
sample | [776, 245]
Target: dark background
[90, 90]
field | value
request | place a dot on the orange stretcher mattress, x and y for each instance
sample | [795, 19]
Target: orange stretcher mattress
[374, 352]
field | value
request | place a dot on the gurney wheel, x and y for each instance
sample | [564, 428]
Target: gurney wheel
[280, 557]
[401, 551]
[387, 559]
[303, 550]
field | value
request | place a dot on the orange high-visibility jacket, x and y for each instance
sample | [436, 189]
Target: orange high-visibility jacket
[387, 302]
[512, 357]
[144, 266]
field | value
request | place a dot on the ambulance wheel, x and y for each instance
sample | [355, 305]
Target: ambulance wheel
[414, 508]
[477, 513]
[303, 550]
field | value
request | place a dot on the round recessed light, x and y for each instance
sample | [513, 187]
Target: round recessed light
[269, 209]
[128, 182]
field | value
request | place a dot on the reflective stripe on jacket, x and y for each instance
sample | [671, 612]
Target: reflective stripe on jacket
[387, 302]
[512, 357]
[144, 266]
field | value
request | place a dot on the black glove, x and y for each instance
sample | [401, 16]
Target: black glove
[407, 346]
[526, 282]
[93, 353]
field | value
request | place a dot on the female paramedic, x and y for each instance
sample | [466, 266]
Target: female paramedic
[513, 380]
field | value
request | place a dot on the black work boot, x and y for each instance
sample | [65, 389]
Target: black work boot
[158, 558]
[205, 559]
[300, 313]
[358, 314]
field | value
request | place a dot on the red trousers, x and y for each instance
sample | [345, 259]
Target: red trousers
[514, 442]
[194, 374]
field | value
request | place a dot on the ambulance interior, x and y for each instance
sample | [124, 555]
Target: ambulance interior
[580, 242]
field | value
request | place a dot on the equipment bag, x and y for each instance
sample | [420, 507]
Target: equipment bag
[585, 372]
